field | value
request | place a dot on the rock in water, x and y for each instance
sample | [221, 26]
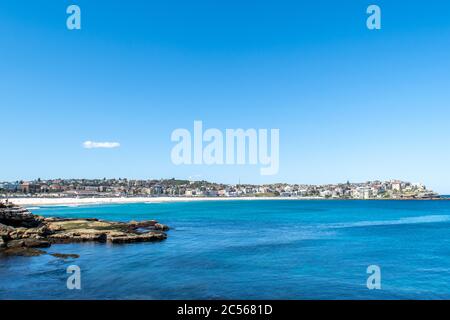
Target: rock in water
[65, 255]
[22, 251]
[162, 227]
[28, 243]
[16, 216]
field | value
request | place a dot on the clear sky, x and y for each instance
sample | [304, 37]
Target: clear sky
[350, 103]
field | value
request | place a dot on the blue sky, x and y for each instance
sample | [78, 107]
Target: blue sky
[350, 103]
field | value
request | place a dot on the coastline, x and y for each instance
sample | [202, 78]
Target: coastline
[122, 200]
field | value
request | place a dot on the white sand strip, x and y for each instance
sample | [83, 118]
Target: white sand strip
[87, 201]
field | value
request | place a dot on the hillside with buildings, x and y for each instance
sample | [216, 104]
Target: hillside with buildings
[78, 188]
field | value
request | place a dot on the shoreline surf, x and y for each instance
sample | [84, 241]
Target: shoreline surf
[124, 200]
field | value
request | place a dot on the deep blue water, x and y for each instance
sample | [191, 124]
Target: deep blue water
[251, 250]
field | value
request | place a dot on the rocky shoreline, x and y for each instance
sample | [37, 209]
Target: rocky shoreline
[25, 234]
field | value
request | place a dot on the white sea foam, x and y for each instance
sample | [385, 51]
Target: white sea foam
[401, 221]
[33, 208]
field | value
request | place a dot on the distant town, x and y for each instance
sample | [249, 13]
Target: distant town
[85, 188]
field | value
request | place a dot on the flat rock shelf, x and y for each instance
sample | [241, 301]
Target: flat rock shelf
[25, 234]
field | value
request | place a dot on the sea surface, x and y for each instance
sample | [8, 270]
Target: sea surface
[251, 250]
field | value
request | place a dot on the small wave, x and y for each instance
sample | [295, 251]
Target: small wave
[401, 221]
[33, 208]
[68, 205]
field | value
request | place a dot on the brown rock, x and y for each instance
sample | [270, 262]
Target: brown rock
[5, 230]
[65, 256]
[131, 238]
[77, 237]
[142, 224]
[15, 216]
[162, 227]
[28, 243]
[23, 251]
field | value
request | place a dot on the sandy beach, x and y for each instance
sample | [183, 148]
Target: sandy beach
[90, 201]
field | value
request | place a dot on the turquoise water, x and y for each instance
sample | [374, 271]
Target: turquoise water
[251, 250]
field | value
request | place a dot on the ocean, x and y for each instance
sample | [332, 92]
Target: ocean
[251, 250]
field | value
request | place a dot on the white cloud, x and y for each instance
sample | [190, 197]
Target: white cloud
[100, 145]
